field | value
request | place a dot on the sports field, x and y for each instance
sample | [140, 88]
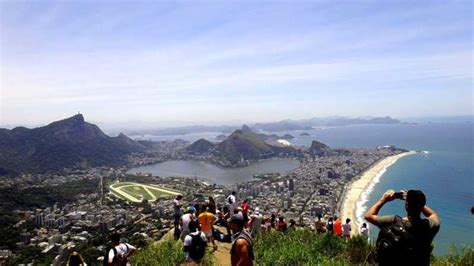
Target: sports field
[136, 192]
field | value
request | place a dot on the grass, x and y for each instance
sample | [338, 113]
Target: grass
[168, 252]
[136, 191]
[295, 247]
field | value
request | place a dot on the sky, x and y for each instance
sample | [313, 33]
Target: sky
[184, 62]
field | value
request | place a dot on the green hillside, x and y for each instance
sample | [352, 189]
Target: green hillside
[69, 143]
[295, 247]
[243, 144]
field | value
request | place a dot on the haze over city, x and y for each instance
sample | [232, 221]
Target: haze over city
[214, 62]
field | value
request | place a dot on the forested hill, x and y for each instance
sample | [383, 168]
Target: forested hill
[68, 143]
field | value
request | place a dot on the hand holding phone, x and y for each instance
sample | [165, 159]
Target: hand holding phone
[400, 195]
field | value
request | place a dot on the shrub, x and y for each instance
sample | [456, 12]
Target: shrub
[463, 255]
[165, 252]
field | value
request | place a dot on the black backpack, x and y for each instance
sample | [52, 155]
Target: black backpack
[197, 248]
[229, 200]
[395, 245]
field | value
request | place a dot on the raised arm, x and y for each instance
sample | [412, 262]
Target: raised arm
[371, 215]
[430, 214]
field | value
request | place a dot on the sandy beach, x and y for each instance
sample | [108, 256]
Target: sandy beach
[358, 187]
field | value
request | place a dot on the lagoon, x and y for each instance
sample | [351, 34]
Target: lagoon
[216, 174]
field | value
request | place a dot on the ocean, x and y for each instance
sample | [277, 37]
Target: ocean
[445, 173]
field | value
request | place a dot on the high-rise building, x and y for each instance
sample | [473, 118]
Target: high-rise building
[39, 219]
[291, 184]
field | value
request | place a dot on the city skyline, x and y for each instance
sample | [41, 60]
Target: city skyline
[213, 62]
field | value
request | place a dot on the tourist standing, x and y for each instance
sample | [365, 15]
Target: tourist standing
[231, 203]
[282, 225]
[418, 233]
[256, 222]
[185, 220]
[364, 231]
[346, 229]
[330, 226]
[245, 210]
[207, 219]
[195, 244]
[337, 226]
[119, 253]
[212, 205]
[177, 204]
[241, 252]
[320, 228]
[75, 259]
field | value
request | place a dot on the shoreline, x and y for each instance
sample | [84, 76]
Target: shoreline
[363, 186]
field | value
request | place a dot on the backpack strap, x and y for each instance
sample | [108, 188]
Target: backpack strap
[244, 235]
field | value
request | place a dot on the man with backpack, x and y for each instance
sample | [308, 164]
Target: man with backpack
[195, 243]
[241, 252]
[118, 254]
[407, 240]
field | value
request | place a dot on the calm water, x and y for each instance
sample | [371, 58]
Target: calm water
[215, 174]
[446, 174]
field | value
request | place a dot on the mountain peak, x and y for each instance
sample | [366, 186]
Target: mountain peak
[246, 128]
[79, 118]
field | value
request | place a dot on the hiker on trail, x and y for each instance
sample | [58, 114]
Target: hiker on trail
[256, 220]
[273, 221]
[177, 204]
[292, 225]
[185, 220]
[320, 227]
[364, 231]
[412, 233]
[207, 219]
[330, 226]
[212, 205]
[241, 252]
[231, 203]
[245, 208]
[346, 229]
[119, 253]
[195, 244]
[282, 225]
[75, 259]
[337, 226]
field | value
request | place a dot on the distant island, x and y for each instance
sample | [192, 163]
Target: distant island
[284, 125]
[73, 143]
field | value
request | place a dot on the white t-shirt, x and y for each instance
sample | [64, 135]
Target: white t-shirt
[189, 238]
[346, 229]
[186, 219]
[122, 248]
[177, 206]
[364, 232]
[231, 201]
[257, 222]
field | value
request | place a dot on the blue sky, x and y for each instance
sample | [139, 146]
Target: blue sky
[218, 61]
